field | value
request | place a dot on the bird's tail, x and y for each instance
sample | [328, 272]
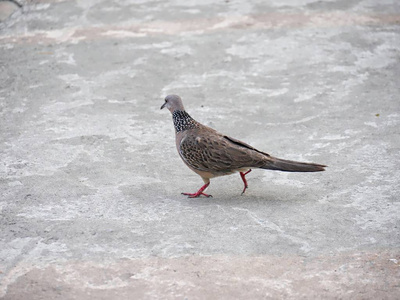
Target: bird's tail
[274, 163]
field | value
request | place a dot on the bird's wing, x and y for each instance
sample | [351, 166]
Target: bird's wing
[242, 144]
[209, 151]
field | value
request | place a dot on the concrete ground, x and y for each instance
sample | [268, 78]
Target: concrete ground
[91, 180]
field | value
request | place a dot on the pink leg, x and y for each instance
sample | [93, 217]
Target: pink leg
[199, 192]
[242, 175]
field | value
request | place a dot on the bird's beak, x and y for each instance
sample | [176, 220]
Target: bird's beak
[162, 106]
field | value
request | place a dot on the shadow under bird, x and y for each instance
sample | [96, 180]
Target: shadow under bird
[212, 154]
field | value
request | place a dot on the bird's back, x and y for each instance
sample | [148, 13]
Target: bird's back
[204, 149]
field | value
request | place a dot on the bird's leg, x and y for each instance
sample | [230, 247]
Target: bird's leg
[242, 175]
[199, 192]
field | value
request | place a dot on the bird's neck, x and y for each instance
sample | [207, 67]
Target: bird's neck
[183, 121]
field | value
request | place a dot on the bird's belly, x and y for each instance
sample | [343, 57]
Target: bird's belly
[215, 173]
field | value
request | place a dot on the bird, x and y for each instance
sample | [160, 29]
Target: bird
[211, 154]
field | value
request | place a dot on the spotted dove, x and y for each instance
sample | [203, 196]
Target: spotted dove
[212, 154]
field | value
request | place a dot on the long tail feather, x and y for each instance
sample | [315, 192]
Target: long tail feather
[292, 166]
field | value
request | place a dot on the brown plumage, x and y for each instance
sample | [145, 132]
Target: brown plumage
[211, 154]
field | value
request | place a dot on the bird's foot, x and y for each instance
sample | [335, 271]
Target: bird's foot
[245, 188]
[199, 192]
[196, 195]
[242, 175]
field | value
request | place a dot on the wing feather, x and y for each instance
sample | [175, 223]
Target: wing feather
[216, 153]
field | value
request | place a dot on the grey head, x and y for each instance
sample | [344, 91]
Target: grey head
[173, 103]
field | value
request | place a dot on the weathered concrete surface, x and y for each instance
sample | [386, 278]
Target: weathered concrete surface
[91, 181]
[7, 9]
[354, 276]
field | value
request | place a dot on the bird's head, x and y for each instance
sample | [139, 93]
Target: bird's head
[173, 103]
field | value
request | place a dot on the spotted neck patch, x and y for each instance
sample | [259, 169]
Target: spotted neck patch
[183, 121]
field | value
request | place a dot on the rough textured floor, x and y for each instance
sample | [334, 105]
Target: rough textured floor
[90, 180]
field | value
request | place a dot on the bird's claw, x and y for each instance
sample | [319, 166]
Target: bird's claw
[196, 195]
[199, 192]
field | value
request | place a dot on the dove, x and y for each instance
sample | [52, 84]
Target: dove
[211, 154]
